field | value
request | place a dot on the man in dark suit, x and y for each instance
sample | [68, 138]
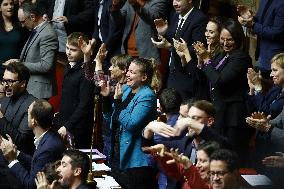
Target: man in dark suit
[268, 25]
[74, 169]
[77, 15]
[104, 32]
[189, 24]
[39, 52]
[49, 146]
[14, 107]
[14, 117]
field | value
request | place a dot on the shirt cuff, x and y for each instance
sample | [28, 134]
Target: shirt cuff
[12, 163]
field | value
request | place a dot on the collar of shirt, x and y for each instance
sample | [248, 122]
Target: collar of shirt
[38, 26]
[186, 15]
[37, 140]
[72, 64]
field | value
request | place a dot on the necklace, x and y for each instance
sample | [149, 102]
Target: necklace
[8, 28]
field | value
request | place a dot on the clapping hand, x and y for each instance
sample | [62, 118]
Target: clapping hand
[246, 17]
[274, 161]
[161, 44]
[254, 79]
[182, 50]
[259, 121]
[8, 148]
[161, 26]
[201, 51]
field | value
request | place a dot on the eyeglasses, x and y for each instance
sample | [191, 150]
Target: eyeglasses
[8, 82]
[197, 117]
[219, 174]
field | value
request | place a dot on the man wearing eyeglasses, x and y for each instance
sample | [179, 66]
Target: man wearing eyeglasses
[224, 170]
[14, 116]
[14, 107]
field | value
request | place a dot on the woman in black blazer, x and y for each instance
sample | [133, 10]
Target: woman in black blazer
[226, 72]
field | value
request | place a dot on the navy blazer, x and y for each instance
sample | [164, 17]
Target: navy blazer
[48, 150]
[271, 104]
[110, 36]
[186, 79]
[269, 28]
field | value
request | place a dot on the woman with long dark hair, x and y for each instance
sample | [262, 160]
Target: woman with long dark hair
[12, 35]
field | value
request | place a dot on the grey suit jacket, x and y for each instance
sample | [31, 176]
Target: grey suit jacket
[40, 58]
[145, 28]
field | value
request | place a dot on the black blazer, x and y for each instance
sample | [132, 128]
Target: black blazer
[15, 122]
[229, 84]
[80, 14]
[76, 105]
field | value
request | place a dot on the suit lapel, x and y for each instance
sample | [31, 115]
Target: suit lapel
[42, 141]
[29, 44]
[187, 22]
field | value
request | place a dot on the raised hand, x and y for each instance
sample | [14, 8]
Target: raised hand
[102, 53]
[178, 158]
[161, 26]
[244, 11]
[118, 91]
[254, 79]
[259, 121]
[105, 87]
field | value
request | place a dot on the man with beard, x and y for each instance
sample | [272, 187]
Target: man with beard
[74, 169]
[14, 107]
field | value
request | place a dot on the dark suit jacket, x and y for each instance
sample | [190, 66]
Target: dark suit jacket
[80, 14]
[76, 106]
[185, 79]
[110, 36]
[271, 104]
[15, 122]
[269, 28]
[230, 88]
[49, 150]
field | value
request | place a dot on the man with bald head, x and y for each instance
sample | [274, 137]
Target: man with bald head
[49, 146]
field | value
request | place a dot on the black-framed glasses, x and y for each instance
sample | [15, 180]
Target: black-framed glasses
[8, 82]
[219, 174]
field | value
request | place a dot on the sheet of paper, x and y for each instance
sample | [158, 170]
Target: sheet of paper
[257, 180]
[106, 182]
[100, 167]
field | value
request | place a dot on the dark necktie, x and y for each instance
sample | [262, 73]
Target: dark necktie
[32, 34]
[178, 31]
